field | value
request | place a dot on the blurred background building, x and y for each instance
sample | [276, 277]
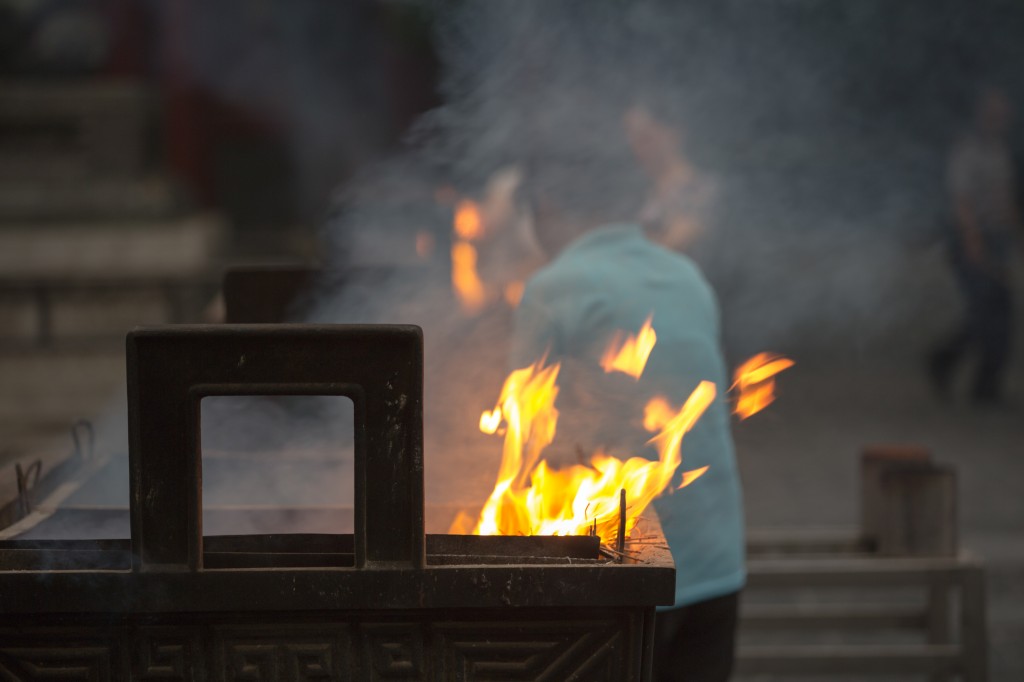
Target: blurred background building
[146, 145]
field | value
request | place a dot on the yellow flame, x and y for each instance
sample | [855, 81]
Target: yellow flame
[628, 353]
[490, 420]
[527, 405]
[754, 383]
[532, 498]
[657, 413]
[468, 224]
[691, 476]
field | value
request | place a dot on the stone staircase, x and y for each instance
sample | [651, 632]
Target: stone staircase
[94, 240]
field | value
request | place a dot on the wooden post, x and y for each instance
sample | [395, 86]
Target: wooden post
[874, 461]
[939, 620]
[974, 625]
[919, 510]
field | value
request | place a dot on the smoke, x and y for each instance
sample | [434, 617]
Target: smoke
[823, 135]
[822, 126]
[825, 139]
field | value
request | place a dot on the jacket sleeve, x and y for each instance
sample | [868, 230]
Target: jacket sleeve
[535, 332]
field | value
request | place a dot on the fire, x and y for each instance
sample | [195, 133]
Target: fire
[657, 413]
[465, 281]
[691, 476]
[755, 382]
[468, 225]
[527, 406]
[629, 355]
[490, 420]
[532, 498]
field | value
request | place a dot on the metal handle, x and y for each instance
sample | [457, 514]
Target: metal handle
[170, 369]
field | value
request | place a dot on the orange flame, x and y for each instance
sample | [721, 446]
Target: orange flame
[468, 224]
[657, 413]
[532, 498]
[691, 476]
[629, 355]
[755, 382]
[466, 283]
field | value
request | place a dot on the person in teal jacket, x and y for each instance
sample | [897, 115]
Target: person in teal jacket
[609, 274]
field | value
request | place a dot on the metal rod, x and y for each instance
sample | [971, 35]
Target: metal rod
[27, 479]
[620, 542]
[83, 425]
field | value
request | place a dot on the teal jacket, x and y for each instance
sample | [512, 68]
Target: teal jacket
[612, 279]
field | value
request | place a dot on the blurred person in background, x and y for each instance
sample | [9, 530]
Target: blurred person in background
[509, 252]
[680, 195]
[608, 273]
[980, 179]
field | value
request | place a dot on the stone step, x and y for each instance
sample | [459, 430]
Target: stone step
[109, 251]
[102, 198]
[104, 315]
[74, 129]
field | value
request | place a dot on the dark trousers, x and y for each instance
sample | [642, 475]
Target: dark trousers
[696, 643]
[986, 329]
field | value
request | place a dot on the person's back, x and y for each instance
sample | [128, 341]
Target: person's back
[611, 280]
[980, 173]
[607, 276]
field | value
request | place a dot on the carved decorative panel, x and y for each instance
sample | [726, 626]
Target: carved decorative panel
[161, 653]
[533, 651]
[393, 651]
[269, 653]
[68, 663]
[360, 647]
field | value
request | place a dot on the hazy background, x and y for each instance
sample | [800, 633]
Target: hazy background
[145, 146]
